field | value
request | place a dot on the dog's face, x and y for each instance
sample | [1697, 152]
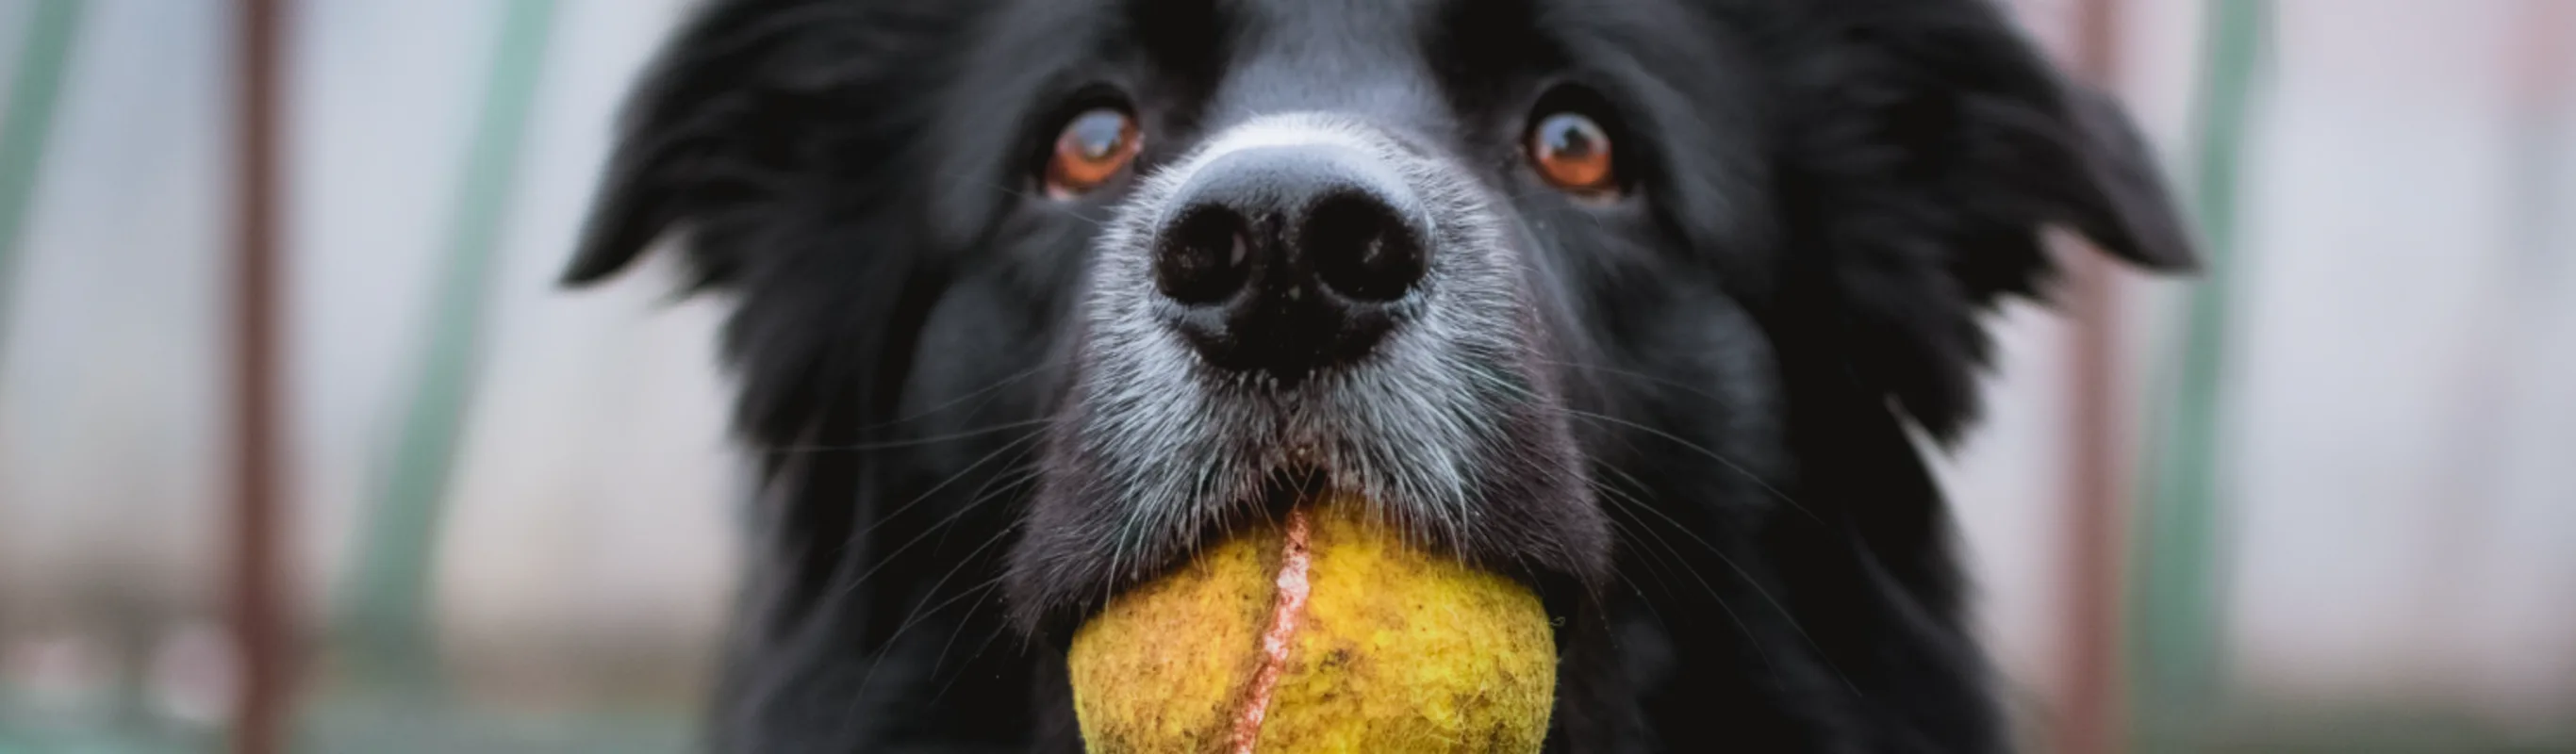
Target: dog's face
[1554, 284]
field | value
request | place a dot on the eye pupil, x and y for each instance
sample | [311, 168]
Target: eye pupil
[1089, 151]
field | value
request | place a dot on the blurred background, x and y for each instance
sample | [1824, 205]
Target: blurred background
[2321, 499]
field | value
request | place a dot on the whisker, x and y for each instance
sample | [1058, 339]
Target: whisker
[1656, 564]
[1749, 581]
[1629, 528]
[1756, 479]
[987, 643]
[893, 444]
[1711, 589]
[940, 660]
[1015, 480]
[922, 613]
[857, 693]
[997, 384]
[934, 490]
[1635, 375]
[887, 558]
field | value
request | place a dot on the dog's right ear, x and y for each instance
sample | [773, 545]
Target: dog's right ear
[750, 106]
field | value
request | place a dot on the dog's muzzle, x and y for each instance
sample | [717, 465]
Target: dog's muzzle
[1304, 303]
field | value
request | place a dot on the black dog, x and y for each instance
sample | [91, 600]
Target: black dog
[1629, 299]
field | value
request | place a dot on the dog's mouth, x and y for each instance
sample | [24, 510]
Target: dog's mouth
[1108, 519]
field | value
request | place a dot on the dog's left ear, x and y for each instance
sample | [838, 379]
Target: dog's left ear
[1926, 146]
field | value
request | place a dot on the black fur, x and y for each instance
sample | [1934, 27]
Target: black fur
[1825, 196]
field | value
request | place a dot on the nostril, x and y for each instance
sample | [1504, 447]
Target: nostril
[1360, 249]
[1204, 258]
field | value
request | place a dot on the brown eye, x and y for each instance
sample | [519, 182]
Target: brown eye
[1093, 146]
[1572, 152]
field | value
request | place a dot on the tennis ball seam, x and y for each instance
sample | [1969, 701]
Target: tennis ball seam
[1287, 604]
[1360, 642]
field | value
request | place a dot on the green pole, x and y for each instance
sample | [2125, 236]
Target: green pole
[2174, 634]
[34, 94]
[387, 619]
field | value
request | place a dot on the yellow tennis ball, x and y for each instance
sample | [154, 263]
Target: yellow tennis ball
[1322, 634]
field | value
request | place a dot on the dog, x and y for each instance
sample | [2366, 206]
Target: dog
[1638, 302]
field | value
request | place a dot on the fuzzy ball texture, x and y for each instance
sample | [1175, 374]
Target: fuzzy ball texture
[1325, 632]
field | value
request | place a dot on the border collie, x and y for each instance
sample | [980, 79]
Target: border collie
[1631, 300]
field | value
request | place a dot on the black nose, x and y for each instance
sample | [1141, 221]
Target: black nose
[1289, 259]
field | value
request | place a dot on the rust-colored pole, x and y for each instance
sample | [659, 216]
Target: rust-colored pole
[2090, 716]
[259, 610]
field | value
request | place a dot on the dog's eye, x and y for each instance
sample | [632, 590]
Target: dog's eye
[1573, 153]
[1090, 150]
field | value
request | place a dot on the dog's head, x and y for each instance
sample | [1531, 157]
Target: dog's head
[1534, 275]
